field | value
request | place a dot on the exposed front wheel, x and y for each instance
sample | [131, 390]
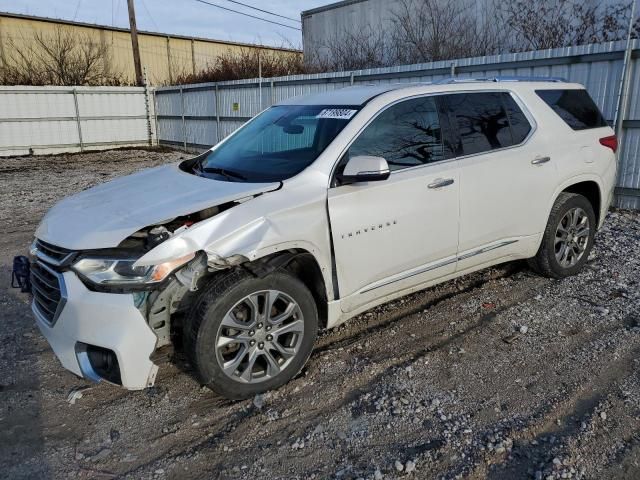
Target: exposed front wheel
[247, 335]
[568, 237]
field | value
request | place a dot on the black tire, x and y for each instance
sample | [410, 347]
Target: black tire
[545, 262]
[205, 318]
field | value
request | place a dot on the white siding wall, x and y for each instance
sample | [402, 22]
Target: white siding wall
[44, 120]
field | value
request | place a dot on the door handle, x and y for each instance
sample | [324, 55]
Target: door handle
[540, 160]
[441, 182]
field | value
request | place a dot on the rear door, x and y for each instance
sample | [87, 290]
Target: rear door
[390, 235]
[505, 180]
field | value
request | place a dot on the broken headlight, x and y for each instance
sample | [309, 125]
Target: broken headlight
[123, 272]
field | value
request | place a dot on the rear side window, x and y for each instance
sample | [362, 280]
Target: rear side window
[575, 107]
[481, 120]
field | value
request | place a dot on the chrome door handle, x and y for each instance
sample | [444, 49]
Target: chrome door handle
[540, 160]
[441, 182]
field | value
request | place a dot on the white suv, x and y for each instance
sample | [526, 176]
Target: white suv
[319, 208]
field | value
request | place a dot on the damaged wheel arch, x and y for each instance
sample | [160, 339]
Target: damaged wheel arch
[180, 293]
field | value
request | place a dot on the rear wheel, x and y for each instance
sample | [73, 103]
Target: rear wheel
[247, 335]
[568, 237]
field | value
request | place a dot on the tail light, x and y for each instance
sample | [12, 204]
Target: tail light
[610, 142]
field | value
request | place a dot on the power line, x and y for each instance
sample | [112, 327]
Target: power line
[264, 11]
[247, 15]
[150, 16]
[115, 17]
[77, 10]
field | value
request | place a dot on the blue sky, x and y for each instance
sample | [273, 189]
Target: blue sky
[183, 17]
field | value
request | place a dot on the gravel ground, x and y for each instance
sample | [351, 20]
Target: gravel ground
[500, 374]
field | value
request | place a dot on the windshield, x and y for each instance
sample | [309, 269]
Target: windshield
[278, 144]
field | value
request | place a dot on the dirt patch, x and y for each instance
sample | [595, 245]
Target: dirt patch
[500, 374]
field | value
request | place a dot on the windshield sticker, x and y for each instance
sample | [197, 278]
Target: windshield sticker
[341, 113]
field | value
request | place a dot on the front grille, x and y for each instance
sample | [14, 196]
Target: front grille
[53, 254]
[49, 293]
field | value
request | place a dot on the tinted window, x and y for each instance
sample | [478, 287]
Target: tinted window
[278, 144]
[575, 107]
[520, 126]
[275, 139]
[482, 121]
[406, 134]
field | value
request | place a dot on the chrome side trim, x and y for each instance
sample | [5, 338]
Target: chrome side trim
[440, 264]
[85, 365]
[412, 274]
[486, 249]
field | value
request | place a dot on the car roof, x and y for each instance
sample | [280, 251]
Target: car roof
[358, 95]
[361, 94]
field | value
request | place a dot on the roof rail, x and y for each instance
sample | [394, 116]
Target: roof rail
[502, 78]
[515, 78]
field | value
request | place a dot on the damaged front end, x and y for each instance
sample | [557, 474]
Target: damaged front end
[104, 315]
[115, 265]
[161, 303]
[160, 306]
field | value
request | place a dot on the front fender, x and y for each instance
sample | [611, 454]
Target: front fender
[255, 229]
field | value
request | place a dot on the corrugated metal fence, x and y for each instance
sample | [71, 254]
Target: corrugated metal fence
[64, 119]
[198, 116]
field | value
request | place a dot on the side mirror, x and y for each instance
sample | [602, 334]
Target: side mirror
[364, 168]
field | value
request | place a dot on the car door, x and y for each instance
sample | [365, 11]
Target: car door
[505, 179]
[393, 234]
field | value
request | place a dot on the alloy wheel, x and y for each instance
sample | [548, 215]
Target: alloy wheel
[572, 237]
[259, 336]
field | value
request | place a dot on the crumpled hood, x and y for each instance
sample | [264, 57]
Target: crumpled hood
[103, 216]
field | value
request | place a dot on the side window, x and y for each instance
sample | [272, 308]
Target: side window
[575, 107]
[406, 134]
[520, 126]
[482, 121]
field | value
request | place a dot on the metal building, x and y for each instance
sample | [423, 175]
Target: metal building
[330, 23]
[164, 56]
[323, 25]
[327, 24]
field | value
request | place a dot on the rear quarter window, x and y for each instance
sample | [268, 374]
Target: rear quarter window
[575, 107]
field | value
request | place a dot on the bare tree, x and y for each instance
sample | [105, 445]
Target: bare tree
[430, 30]
[419, 31]
[245, 63]
[559, 23]
[60, 58]
[368, 47]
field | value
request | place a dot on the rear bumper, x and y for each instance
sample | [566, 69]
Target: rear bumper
[109, 321]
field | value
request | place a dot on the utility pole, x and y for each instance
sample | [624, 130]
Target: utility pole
[134, 43]
[260, 80]
[623, 92]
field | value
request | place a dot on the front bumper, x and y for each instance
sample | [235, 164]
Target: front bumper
[106, 320]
